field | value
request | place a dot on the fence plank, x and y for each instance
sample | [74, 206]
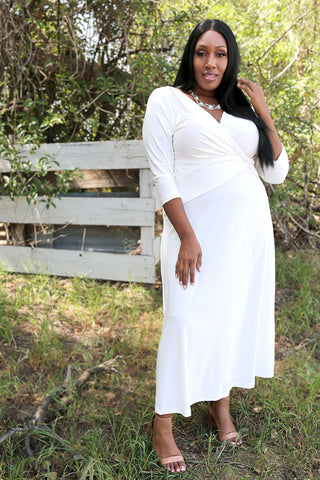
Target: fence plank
[115, 157]
[69, 263]
[157, 249]
[147, 235]
[81, 211]
[107, 155]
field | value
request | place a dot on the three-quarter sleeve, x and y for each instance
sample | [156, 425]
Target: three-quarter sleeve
[158, 127]
[278, 172]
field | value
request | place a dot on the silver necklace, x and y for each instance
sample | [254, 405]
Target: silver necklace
[209, 106]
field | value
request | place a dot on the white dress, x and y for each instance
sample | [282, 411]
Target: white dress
[218, 333]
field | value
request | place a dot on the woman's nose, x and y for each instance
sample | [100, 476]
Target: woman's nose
[211, 60]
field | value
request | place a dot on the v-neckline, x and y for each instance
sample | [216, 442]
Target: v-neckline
[191, 100]
[236, 146]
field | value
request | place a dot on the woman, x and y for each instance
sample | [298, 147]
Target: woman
[207, 147]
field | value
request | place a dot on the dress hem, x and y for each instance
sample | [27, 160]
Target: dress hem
[187, 413]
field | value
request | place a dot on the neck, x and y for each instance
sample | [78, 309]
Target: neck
[209, 106]
[201, 94]
[211, 97]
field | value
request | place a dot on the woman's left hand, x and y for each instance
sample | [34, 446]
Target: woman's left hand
[256, 95]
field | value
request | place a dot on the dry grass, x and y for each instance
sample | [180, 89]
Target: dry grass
[49, 323]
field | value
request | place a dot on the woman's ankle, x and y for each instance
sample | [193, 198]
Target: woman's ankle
[165, 415]
[162, 424]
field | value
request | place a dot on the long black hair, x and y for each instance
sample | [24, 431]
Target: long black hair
[231, 98]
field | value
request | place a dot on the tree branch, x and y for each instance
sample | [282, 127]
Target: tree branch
[277, 40]
[287, 67]
[61, 395]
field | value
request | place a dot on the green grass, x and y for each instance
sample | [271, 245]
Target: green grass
[49, 323]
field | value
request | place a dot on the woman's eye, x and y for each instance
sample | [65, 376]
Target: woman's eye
[200, 54]
[221, 54]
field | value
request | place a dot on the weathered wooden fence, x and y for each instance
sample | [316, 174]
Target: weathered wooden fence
[121, 160]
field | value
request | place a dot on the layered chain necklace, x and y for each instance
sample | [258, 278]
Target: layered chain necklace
[203, 104]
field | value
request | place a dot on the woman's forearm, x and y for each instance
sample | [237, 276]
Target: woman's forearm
[176, 213]
[272, 133]
[190, 255]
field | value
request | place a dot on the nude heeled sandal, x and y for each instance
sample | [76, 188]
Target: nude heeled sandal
[232, 438]
[166, 461]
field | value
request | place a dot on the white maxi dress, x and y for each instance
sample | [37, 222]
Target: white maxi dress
[218, 333]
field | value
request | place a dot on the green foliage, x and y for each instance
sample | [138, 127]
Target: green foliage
[26, 180]
[300, 276]
[83, 70]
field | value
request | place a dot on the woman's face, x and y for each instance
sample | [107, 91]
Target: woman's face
[209, 62]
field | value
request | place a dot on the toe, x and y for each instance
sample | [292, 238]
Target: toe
[180, 467]
[176, 467]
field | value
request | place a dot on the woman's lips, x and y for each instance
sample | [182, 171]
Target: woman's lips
[210, 76]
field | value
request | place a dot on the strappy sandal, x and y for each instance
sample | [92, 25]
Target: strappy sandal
[232, 438]
[166, 461]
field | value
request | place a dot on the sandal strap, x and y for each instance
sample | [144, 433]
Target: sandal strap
[174, 459]
[233, 437]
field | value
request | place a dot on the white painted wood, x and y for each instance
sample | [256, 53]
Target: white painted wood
[157, 202]
[88, 211]
[157, 249]
[145, 183]
[107, 155]
[81, 211]
[69, 263]
[147, 235]
[148, 189]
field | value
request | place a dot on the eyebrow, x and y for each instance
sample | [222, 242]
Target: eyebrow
[219, 46]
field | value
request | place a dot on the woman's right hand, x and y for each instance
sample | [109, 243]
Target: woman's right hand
[189, 259]
[189, 256]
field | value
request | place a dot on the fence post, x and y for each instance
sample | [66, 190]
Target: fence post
[146, 191]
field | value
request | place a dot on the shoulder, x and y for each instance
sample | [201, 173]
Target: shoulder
[162, 104]
[162, 94]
